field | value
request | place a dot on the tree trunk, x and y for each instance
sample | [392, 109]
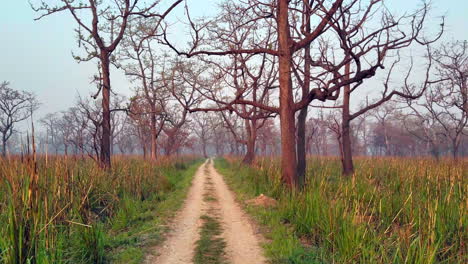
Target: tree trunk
[205, 155]
[250, 154]
[347, 159]
[106, 115]
[154, 136]
[301, 146]
[287, 119]
[302, 117]
[455, 145]
[387, 150]
[143, 147]
[251, 129]
[4, 146]
[435, 150]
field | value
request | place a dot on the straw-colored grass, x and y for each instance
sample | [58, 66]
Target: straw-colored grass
[68, 210]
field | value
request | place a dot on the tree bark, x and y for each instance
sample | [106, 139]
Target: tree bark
[347, 159]
[302, 117]
[250, 154]
[455, 145]
[106, 115]
[205, 155]
[154, 136]
[301, 146]
[287, 119]
[251, 128]
[4, 146]
[143, 146]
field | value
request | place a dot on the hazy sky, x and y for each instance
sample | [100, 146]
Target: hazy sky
[36, 55]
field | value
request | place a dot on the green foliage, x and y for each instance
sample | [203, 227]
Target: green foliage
[389, 211]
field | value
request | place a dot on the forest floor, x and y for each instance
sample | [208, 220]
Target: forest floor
[211, 227]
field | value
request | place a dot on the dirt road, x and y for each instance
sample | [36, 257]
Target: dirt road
[242, 244]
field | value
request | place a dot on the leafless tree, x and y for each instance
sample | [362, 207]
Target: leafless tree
[387, 33]
[441, 115]
[52, 135]
[252, 76]
[317, 135]
[184, 79]
[144, 66]
[202, 130]
[127, 140]
[15, 106]
[101, 28]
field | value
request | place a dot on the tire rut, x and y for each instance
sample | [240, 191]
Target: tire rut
[242, 243]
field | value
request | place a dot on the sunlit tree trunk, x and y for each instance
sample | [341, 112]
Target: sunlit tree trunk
[287, 119]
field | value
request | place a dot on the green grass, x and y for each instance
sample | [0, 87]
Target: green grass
[67, 210]
[390, 211]
[210, 247]
[209, 198]
[144, 224]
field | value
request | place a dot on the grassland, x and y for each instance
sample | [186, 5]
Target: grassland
[67, 210]
[390, 211]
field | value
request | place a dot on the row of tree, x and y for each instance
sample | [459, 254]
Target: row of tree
[382, 132]
[259, 60]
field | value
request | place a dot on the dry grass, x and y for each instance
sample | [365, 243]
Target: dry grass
[58, 209]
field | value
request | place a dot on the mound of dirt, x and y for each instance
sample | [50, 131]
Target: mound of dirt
[263, 201]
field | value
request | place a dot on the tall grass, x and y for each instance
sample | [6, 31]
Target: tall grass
[61, 210]
[390, 211]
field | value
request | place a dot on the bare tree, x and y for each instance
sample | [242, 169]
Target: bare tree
[441, 115]
[52, 137]
[408, 91]
[15, 106]
[203, 131]
[143, 65]
[252, 76]
[447, 102]
[289, 39]
[184, 80]
[127, 140]
[317, 135]
[140, 116]
[100, 37]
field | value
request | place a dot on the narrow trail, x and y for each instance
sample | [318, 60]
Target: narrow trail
[242, 244]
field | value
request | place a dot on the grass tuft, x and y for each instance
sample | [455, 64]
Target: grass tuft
[210, 247]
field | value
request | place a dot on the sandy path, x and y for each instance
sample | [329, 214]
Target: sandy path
[180, 243]
[242, 245]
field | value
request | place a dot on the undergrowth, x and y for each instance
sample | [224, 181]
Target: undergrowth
[390, 211]
[68, 210]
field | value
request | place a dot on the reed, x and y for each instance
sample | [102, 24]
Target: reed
[60, 209]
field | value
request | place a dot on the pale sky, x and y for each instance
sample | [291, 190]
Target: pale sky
[36, 55]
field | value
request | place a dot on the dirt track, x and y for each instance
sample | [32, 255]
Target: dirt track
[242, 245]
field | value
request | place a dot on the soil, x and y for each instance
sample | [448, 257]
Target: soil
[242, 242]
